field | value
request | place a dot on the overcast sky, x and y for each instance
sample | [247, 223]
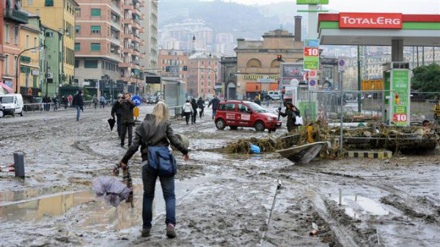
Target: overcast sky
[398, 6]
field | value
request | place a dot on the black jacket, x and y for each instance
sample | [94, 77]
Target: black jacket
[78, 100]
[201, 103]
[127, 107]
[160, 135]
[214, 102]
[116, 109]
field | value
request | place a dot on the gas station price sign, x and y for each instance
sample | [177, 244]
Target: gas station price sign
[400, 81]
[311, 54]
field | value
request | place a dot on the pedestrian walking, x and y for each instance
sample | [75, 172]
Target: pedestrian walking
[156, 130]
[70, 99]
[214, 102]
[201, 106]
[127, 119]
[102, 101]
[95, 101]
[194, 111]
[78, 102]
[116, 110]
[65, 101]
[257, 100]
[55, 103]
[187, 111]
[291, 113]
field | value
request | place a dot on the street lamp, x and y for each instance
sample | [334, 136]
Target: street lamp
[17, 72]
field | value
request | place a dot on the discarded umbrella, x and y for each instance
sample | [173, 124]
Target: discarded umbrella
[111, 189]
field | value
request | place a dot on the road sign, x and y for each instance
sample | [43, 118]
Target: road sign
[313, 74]
[311, 54]
[341, 65]
[312, 83]
[137, 100]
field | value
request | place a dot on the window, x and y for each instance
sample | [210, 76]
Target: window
[76, 63]
[77, 29]
[27, 41]
[78, 12]
[35, 41]
[30, 2]
[16, 34]
[95, 29]
[48, 3]
[91, 64]
[7, 33]
[6, 64]
[95, 46]
[95, 12]
[77, 46]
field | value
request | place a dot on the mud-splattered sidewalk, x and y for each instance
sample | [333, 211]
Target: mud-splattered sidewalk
[223, 200]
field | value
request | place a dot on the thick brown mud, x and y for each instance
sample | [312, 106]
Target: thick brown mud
[222, 199]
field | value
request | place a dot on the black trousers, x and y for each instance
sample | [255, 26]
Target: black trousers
[124, 128]
[187, 115]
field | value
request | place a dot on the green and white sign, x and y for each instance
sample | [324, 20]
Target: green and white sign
[306, 2]
[311, 54]
[400, 96]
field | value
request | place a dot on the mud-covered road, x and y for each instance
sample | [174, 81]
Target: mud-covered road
[222, 200]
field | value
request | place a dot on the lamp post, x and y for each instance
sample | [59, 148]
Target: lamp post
[17, 72]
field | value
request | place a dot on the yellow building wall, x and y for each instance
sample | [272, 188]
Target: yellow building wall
[28, 39]
[59, 17]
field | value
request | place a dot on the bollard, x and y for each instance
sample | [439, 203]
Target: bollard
[19, 164]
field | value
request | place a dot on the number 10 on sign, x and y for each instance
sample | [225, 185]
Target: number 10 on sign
[311, 51]
[400, 118]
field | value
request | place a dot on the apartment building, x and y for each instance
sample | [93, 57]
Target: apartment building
[59, 16]
[204, 75]
[149, 33]
[107, 46]
[12, 17]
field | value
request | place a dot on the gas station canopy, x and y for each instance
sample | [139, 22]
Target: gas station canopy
[378, 29]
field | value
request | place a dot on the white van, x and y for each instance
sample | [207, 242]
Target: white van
[274, 95]
[11, 104]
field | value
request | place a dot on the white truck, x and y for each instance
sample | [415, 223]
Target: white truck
[11, 104]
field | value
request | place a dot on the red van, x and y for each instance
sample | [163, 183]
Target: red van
[237, 113]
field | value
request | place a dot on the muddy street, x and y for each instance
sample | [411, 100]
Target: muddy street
[222, 199]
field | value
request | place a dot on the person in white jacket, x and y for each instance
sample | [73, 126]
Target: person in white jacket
[187, 111]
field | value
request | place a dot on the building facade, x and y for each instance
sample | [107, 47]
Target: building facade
[29, 63]
[59, 16]
[12, 17]
[258, 67]
[150, 52]
[204, 75]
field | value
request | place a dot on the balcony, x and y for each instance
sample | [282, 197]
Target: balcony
[16, 16]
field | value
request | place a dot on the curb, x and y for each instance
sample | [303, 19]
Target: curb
[370, 154]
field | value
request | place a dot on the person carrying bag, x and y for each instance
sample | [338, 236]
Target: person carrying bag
[153, 136]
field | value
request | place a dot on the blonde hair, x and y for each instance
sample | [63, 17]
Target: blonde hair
[161, 112]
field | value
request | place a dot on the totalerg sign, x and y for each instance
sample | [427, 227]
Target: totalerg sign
[370, 20]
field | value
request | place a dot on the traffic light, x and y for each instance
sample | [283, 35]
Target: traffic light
[185, 68]
[167, 69]
[279, 58]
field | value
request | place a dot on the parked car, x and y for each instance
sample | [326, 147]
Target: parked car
[237, 113]
[273, 95]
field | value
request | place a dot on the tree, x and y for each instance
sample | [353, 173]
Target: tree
[426, 78]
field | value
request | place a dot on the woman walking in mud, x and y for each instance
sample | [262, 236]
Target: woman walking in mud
[156, 130]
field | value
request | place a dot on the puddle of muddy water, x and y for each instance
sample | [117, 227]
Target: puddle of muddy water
[95, 214]
[355, 205]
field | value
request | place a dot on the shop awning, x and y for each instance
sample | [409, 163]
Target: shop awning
[6, 87]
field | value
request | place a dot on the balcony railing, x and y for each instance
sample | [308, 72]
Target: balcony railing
[16, 15]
